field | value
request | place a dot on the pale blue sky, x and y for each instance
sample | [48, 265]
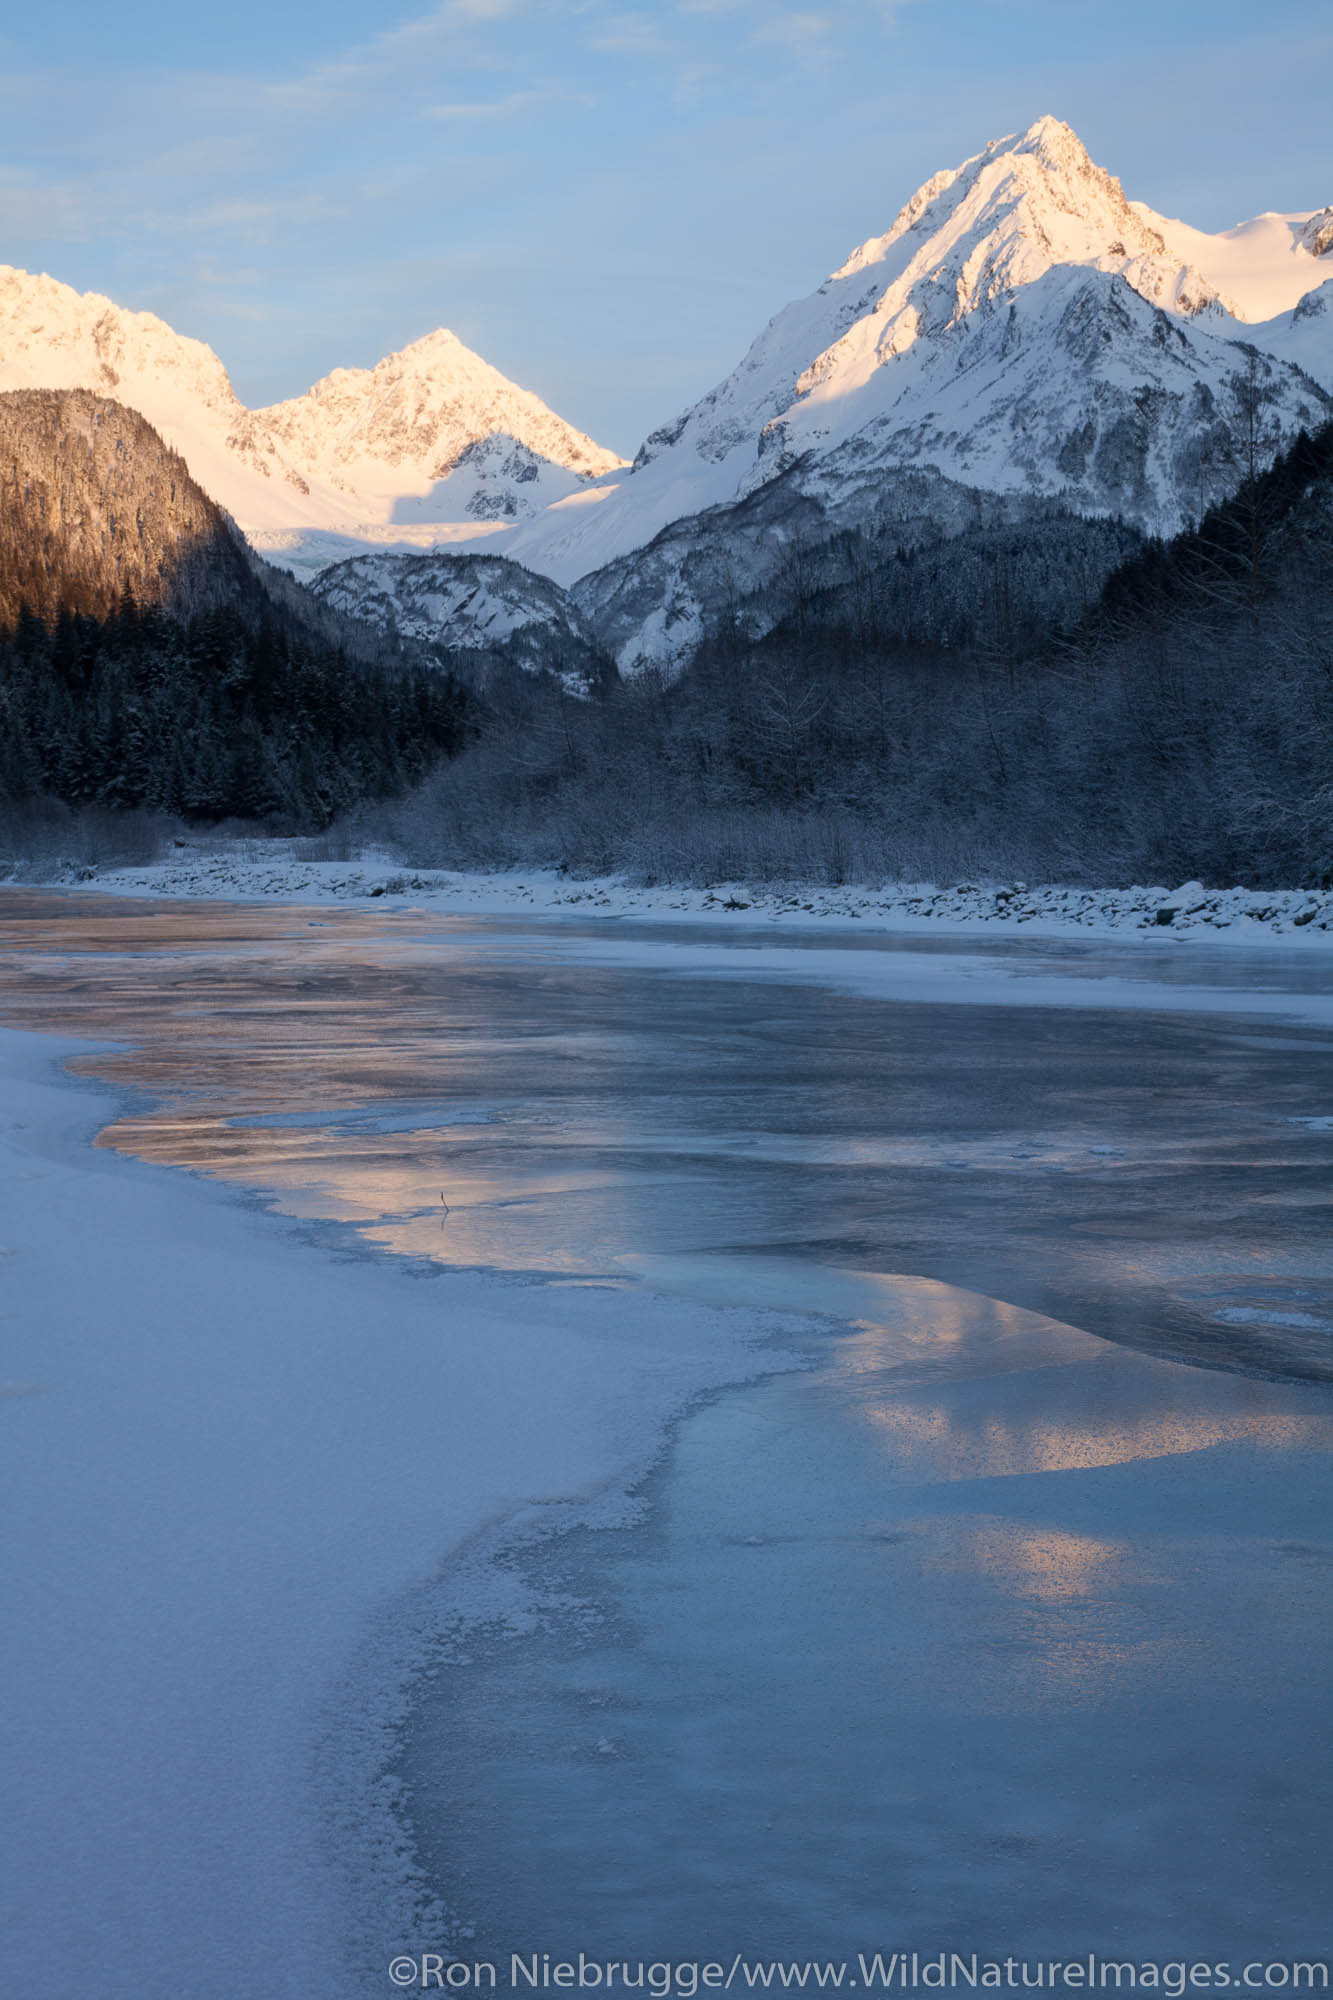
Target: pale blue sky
[607, 200]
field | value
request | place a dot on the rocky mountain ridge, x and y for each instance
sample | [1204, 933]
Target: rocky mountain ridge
[480, 605]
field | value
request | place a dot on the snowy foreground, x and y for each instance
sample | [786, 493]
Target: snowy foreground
[227, 1449]
[247, 870]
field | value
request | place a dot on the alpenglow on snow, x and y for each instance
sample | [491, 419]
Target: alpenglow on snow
[430, 440]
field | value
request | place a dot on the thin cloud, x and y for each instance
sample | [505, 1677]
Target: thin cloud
[259, 218]
[692, 83]
[633, 35]
[499, 107]
[398, 51]
[797, 30]
[209, 272]
[31, 211]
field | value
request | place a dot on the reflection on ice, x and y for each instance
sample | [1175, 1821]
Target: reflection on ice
[582, 1112]
[1037, 1431]
[1048, 1564]
[998, 1638]
[924, 1320]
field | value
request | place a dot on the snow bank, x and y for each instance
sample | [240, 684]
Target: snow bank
[233, 1451]
[255, 870]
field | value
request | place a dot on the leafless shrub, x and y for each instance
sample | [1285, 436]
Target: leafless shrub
[42, 839]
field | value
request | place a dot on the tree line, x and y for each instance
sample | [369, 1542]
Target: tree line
[213, 717]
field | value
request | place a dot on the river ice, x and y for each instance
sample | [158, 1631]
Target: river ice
[993, 1615]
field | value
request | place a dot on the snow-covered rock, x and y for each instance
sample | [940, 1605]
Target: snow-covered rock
[479, 603]
[929, 540]
[430, 435]
[1317, 233]
[1022, 328]
[1154, 917]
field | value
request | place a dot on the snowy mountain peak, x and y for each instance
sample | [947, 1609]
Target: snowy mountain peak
[1060, 151]
[1023, 328]
[425, 407]
[50, 333]
[439, 356]
[1006, 216]
[443, 341]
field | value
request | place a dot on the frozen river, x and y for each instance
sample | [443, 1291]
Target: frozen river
[1002, 1625]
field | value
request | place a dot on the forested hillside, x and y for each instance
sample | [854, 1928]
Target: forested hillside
[93, 505]
[210, 719]
[149, 660]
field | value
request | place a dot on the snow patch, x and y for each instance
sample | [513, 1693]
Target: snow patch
[241, 1462]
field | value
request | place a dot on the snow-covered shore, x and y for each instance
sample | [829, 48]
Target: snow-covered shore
[232, 1450]
[255, 870]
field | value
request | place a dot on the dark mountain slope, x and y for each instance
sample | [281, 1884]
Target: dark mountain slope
[94, 505]
[1243, 547]
[149, 659]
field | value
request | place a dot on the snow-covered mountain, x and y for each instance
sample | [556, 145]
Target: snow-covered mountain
[433, 434]
[1022, 328]
[479, 603]
[1023, 336]
[428, 440]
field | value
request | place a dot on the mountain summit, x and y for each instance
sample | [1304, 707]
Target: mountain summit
[1021, 328]
[434, 433]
